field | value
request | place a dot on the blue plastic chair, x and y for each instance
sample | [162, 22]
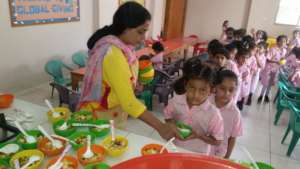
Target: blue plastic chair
[80, 58]
[55, 69]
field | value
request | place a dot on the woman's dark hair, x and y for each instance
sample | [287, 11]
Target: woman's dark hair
[221, 75]
[221, 51]
[158, 47]
[144, 57]
[128, 15]
[214, 44]
[231, 46]
[193, 69]
[280, 37]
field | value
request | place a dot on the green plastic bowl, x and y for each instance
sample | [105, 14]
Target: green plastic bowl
[75, 135]
[26, 146]
[262, 165]
[250, 165]
[97, 132]
[7, 157]
[77, 117]
[184, 134]
[4, 164]
[97, 166]
[65, 133]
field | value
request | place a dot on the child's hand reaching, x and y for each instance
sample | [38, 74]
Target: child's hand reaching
[225, 25]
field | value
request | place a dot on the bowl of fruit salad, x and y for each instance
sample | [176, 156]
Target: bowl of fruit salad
[97, 166]
[47, 147]
[98, 154]
[58, 114]
[24, 157]
[68, 162]
[117, 147]
[98, 131]
[21, 139]
[151, 149]
[184, 129]
[80, 138]
[7, 150]
[82, 117]
[63, 128]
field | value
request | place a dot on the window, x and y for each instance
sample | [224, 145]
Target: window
[288, 12]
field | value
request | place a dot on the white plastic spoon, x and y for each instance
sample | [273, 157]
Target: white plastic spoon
[164, 146]
[112, 128]
[54, 113]
[91, 125]
[32, 159]
[28, 138]
[17, 164]
[88, 153]
[10, 148]
[55, 143]
[57, 164]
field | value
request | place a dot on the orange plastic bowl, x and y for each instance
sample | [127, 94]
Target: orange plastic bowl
[99, 150]
[46, 151]
[6, 100]
[155, 147]
[179, 161]
[70, 159]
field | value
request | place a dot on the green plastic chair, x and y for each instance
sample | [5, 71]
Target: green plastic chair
[55, 69]
[286, 93]
[80, 58]
[294, 125]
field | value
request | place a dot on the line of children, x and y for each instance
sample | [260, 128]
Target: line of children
[204, 100]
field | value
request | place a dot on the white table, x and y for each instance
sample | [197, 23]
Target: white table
[39, 116]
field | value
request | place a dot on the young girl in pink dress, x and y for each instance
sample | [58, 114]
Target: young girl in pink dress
[294, 76]
[192, 106]
[295, 42]
[269, 73]
[245, 75]
[157, 59]
[226, 84]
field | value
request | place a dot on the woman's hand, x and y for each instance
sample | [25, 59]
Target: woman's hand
[168, 131]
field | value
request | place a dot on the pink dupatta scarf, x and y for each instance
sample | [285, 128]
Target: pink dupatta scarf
[92, 81]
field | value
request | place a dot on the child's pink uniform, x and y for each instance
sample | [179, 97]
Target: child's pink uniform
[269, 73]
[291, 63]
[295, 77]
[231, 65]
[256, 69]
[295, 43]
[245, 75]
[158, 60]
[205, 119]
[233, 126]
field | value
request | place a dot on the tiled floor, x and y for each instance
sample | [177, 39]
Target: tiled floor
[261, 138]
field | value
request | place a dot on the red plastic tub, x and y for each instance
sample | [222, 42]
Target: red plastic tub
[6, 100]
[177, 161]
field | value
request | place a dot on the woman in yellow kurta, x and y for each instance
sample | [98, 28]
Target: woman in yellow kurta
[111, 75]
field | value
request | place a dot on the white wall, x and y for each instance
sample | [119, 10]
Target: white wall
[25, 50]
[205, 17]
[263, 15]
[156, 7]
